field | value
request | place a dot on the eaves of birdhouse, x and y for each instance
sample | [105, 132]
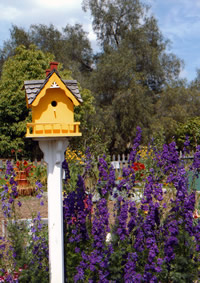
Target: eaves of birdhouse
[34, 87]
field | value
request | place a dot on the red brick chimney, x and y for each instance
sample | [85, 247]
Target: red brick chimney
[47, 72]
[53, 65]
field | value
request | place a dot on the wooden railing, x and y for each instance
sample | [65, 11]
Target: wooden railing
[52, 129]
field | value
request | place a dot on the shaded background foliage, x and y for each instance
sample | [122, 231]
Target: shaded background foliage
[132, 79]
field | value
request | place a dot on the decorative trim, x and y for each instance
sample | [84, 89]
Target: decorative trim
[54, 85]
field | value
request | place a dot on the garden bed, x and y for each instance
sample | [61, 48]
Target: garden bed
[29, 208]
[31, 205]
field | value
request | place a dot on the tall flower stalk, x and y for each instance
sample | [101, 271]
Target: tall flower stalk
[152, 239]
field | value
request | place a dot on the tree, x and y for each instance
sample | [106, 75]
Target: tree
[26, 64]
[112, 20]
[132, 69]
[70, 46]
[18, 36]
[190, 129]
[177, 103]
[125, 27]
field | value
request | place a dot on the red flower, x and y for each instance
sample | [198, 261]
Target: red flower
[195, 214]
[25, 163]
[18, 164]
[73, 219]
[137, 166]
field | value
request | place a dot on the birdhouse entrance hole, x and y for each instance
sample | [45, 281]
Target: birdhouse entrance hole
[54, 103]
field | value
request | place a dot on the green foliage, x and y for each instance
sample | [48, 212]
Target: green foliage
[21, 247]
[38, 173]
[38, 270]
[91, 130]
[184, 267]
[116, 264]
[190, 128]
[26, 64]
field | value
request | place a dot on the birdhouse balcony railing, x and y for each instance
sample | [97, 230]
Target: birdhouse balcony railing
[52, 130]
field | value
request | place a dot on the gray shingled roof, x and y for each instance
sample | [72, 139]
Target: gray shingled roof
[33, 87]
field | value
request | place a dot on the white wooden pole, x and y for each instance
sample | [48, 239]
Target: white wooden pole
[54, 155]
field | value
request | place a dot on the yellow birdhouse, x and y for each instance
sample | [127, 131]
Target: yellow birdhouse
[52, 101]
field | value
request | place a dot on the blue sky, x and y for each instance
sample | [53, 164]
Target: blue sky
[178, 20]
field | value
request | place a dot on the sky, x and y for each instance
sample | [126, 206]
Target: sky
[178, 21]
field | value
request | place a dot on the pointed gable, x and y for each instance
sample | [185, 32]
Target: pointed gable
[36, 89]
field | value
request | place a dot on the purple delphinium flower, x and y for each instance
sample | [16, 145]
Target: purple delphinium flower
[146, 230]
[196, 160]
[186, 144]
[136, 144]
[128, 181]
[2, 247]
[39, 191]
[97, 261]
[178, 227]
[130, 275]
[9, 191]
[106, 181]
[38, 185]
[9, 168]
[77, 208]
[19, 203]
[121, 229]
[133, 212]
[128, 174]
[65, 167]
[79, 275]
[39, 244]
[88, 160]
[100, 227]
[168, 158]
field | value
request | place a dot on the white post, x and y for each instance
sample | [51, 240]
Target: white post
[54, 155]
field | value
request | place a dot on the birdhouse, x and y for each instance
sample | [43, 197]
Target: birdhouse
[52, 101]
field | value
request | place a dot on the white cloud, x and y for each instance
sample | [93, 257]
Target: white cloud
[180, 18]
[9, 13]
[58, 4]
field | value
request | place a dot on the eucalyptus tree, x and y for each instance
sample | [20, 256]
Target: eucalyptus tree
[132, 67]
